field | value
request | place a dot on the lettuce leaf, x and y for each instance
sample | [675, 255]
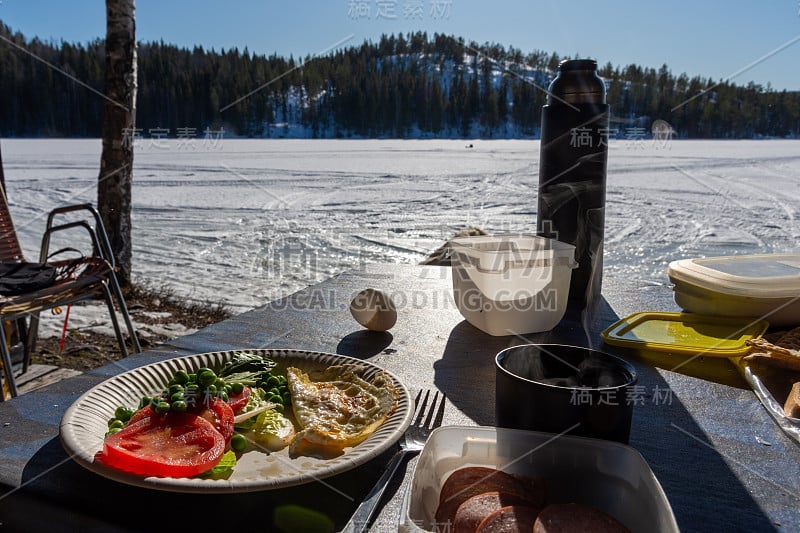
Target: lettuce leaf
[223, 468]
[272, 430]
[247, 368]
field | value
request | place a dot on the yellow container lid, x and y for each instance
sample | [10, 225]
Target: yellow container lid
[685, 333]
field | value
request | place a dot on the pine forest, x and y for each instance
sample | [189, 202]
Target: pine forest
[403, 86]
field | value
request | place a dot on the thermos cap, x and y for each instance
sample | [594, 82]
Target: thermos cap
[577, 64]
[577, 82]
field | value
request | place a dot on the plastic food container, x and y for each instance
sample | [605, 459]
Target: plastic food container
[761, 286]
[511, 284]
[610, 476]
[689, 334]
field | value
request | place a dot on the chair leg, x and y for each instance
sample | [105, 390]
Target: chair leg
[22, 333]
[8, 370]
[33, 333]
[114, 321]
[137, 348]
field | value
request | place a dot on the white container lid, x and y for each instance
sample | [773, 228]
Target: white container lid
[498, 254]
[754, 276]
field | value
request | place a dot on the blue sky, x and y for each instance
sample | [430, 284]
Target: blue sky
[742, 40]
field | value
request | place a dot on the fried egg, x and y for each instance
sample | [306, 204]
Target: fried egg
[338, 408]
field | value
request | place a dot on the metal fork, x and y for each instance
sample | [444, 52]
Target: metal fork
[426, 419]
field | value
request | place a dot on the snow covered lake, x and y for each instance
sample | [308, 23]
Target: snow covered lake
[242, 222]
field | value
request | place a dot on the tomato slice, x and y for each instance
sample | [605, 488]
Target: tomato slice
[237, 401]
[172, 445]
[141, 413]
[219, 413]
[216, 411]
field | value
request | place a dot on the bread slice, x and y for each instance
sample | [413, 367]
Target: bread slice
[790, 339]
[763, 351]
[792, 406]
[774, 359]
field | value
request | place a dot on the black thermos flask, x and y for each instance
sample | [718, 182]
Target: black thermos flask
[572, 173]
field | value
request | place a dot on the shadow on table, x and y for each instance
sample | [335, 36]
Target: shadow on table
[364, 343]
[708, 368]
[705, 494]
[57, 494]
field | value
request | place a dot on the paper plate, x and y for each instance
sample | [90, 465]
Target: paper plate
[85, 423]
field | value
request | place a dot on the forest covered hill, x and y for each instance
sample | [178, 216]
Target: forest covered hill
[402, 86]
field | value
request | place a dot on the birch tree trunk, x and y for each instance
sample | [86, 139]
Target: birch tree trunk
[119, 123]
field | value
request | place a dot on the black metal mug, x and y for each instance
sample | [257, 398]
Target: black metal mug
[557, 388]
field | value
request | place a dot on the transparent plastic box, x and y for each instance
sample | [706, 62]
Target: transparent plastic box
[758, 286]
[610, 476]
[511, 284]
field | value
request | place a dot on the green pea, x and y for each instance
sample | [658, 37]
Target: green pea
[179, 406]
[112, 431]
[181, 377]
[279, 407]
[238, 442]
[123, 413]
[162, 408]
[287, 398]
[237, 387]
[145, 401]
[222, 395]
[112, 421]
[273, 381]
[117, 424]
[206, 378]
[275, 398]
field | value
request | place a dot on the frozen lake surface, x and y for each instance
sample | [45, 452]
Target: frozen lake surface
[242, 222]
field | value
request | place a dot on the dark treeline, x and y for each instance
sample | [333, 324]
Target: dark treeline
[402, 86]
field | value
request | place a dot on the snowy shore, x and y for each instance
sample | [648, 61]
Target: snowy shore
[243, 222]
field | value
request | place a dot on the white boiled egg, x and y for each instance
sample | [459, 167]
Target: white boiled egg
[374, 309]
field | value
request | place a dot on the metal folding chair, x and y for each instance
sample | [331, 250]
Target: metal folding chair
[87, 277]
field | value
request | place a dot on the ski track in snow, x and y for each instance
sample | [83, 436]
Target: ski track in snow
[254, 220]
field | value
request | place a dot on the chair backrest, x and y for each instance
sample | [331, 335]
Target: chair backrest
[10, 249]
